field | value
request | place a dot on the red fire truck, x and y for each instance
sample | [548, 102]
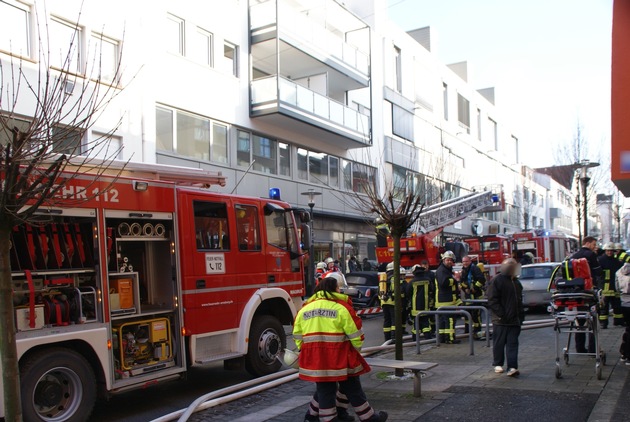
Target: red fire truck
[125, 290]
[420, 245]
[545, 245]
[489, 249]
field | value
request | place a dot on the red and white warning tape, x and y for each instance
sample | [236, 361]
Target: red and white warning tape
[367, 311]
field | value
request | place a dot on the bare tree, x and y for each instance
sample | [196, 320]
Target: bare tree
[40, 154]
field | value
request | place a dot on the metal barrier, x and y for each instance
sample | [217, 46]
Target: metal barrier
[437, 325]
[486, 313]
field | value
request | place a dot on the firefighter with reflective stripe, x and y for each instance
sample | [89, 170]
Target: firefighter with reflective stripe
[421, 293]
[610, 265]
[587, 251]
[386, 295]
[622, 255]
[472, 282]
[329, 335]
[447, 295]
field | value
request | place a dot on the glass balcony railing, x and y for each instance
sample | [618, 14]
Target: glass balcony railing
[267, 89]
[310, 33]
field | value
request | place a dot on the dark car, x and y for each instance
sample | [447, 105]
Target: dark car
[366, 285]
[535, 280]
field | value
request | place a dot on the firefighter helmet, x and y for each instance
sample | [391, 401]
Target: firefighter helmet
[609, 246]
[291, 359]
[530, 255]
[328, 260]
[418, 268]
[321, 266]
[341, 281]
[448, 255]
[618, 246]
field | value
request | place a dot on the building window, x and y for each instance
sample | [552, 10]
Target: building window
[463, 112]
[318, 167]
[264, 153]
[191, 136]
[66, 140]
[402, 123]
[174, 34]
[495, 133]
[164, 129]
[360, 178]
[65, 45]
[105, 146]
[243, 149]
[15, 28]
[445, 99]
[202, 51]
[515, 148]
[103, 58]
[333, 167]
[302, 163]
[284, 152]
[230, 54]
[397, 69]
[399, 177]
[479, 124]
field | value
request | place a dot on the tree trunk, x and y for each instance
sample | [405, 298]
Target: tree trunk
[398, 305]
[8, 349]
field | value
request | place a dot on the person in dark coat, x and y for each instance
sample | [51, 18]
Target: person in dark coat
[472, 282]
[505, 300]
[588, 251]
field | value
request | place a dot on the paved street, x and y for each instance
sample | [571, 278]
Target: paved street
[465, 388]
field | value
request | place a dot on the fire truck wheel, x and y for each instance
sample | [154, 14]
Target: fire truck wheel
[57, 384]
[266, 340]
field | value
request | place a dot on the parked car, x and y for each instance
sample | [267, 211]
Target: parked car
[535, 280]
[363, 288]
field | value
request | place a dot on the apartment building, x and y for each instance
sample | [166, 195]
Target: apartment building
[309, 96]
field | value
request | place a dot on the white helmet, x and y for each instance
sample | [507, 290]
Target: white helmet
[618, 246]
[448, 255]
[609, 246]
[328, 260]
[291, 359]
[341, 280]
[321, 266]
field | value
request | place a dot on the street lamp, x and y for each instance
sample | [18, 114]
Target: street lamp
[310, 271]
[584, 165]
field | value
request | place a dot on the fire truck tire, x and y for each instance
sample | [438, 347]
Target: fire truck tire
[57, 384]
[266, 340]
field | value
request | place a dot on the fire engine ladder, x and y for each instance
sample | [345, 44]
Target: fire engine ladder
[453, 210]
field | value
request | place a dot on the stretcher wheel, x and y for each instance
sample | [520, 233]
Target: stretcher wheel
[558, 372]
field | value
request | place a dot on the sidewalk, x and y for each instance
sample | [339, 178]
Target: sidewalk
[465, 388]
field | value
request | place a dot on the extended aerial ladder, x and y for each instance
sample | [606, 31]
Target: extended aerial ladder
[418, 247]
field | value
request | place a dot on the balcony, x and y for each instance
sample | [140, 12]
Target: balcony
[323, 29]
[287, 103]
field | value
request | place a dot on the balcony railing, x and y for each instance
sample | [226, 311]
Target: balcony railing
[309, 32]
[266, 90]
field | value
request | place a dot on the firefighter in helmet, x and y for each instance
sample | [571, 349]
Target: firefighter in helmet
[420, 291]
[447, 294]
[386, 295]
[610, 265]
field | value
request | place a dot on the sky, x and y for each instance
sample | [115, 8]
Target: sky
[549, 61]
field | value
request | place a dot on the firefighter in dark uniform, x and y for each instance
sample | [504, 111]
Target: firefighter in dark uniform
[587, 251]
[447, 295]
[610, 265]
[472, 282]
[386, 294]
[420, 293]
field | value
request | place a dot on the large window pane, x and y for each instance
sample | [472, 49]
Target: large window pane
[318, 167]
[164, 129]
[174, 34]
[102, 58]
[65, 45]
[334, 171]
[201, 52]
[193, 136]
[285, 159]
[230, 55]
[219, 143]
[66, 141]
[243, 149]
[264, 152]
[302, 157]
[362, 177]
[400, 180]
[347, 174]
[14, 28]
[211, 225]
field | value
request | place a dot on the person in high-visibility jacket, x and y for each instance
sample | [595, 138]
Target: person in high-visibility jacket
[388, 304]
[610, 265]
[472, 282]
[447, 295]
[421, 293]
[329, 335]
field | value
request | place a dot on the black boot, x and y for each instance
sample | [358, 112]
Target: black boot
[378, 417]
[310, 418]
[343, 415]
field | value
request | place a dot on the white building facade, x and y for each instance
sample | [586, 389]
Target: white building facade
[302, 95]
